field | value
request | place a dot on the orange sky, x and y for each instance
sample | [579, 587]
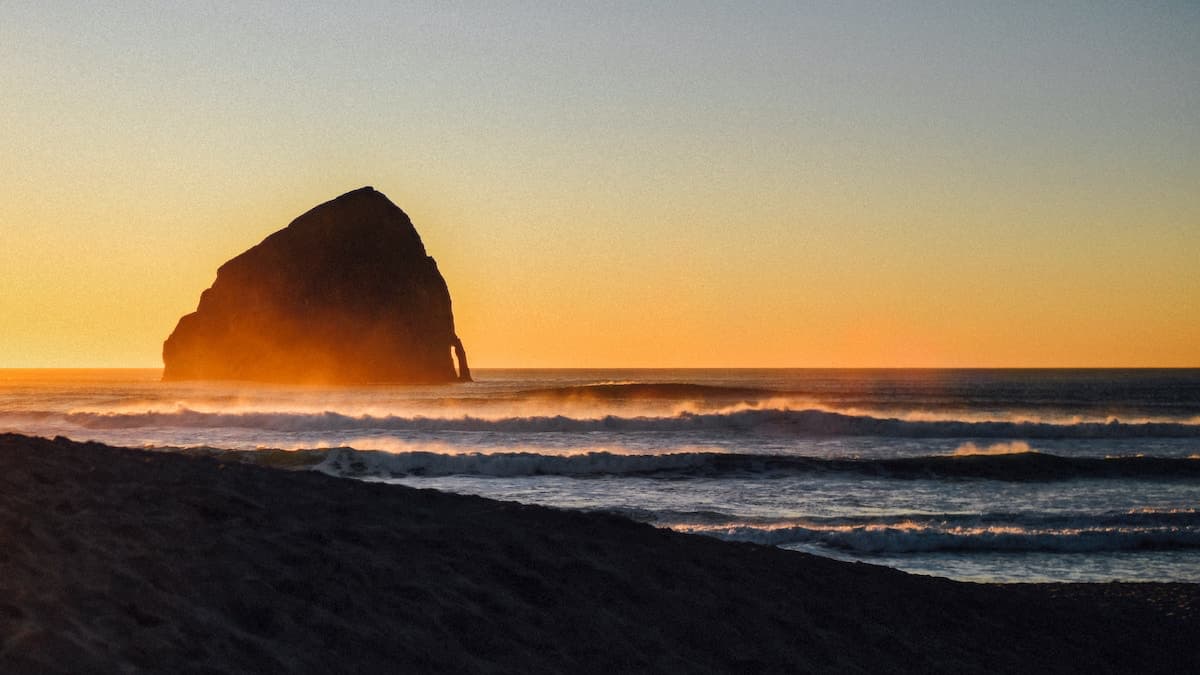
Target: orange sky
[776, 187]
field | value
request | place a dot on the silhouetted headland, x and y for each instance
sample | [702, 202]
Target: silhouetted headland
[344, 294]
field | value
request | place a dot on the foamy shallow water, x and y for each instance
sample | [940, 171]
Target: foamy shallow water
[982, 475]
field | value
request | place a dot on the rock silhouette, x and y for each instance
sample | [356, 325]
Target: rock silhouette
[344, 294]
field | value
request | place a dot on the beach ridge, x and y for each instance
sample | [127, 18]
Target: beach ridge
[125, 559]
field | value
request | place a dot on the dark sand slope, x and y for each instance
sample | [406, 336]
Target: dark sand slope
[114, 559]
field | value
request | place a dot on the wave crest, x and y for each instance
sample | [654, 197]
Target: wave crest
[768, 421]
[1073, 534]
[1030, 466]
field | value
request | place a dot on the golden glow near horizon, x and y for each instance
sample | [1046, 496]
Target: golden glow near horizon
[673, 186]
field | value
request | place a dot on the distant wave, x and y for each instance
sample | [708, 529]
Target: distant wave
[1138, 530]
[1029, 466]
[772, 421]
[1170, 398]
[651, 390]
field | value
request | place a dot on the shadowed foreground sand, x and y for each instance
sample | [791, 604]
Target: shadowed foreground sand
[114, 559]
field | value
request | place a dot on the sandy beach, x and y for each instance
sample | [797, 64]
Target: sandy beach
[126, 560]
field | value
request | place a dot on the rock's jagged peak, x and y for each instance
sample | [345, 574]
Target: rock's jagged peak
[367, 203]
[363, 196]
[364, 217]
[366, 199]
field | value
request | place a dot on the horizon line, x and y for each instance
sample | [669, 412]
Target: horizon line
[667, 368]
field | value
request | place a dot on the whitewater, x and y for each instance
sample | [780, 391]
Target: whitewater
[989, 475]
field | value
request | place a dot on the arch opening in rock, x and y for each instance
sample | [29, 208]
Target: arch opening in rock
[460, 360]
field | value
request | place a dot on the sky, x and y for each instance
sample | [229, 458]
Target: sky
[626, 184]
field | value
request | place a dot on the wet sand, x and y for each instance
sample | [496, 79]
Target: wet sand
[114, 559]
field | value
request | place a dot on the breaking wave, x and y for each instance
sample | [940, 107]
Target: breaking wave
[999, 532]
[1093, 394]
[1029, 466]
[769, 421]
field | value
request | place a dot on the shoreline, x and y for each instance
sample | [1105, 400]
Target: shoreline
[124, 559]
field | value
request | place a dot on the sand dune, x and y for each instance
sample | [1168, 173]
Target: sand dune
[122, 560]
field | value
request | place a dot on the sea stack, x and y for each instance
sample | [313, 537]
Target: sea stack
[345, 294]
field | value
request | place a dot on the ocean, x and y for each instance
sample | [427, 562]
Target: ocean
[981, 475]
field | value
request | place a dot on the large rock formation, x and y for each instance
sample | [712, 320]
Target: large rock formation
[344, 294]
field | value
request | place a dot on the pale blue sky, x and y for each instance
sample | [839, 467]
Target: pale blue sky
[765, 160]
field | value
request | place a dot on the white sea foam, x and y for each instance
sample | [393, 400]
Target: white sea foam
[349, 462]
[926, 537]
[1007, 467]
[1015, 448]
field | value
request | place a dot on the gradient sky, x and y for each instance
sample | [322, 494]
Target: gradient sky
[626, 184]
